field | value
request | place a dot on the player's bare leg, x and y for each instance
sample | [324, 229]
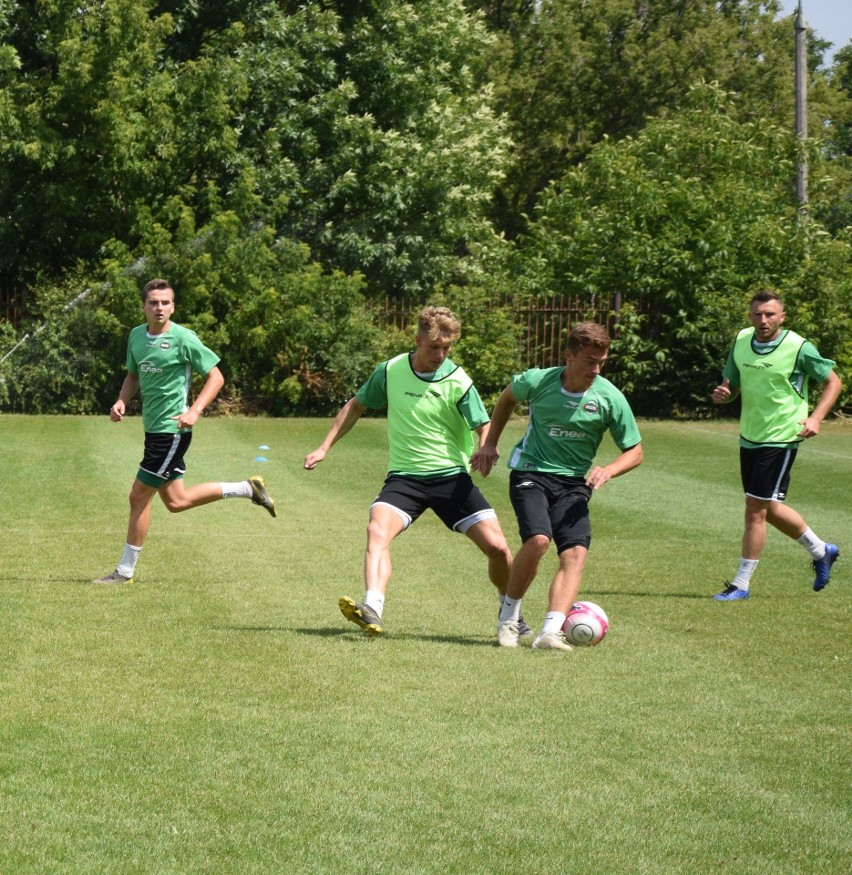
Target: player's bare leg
[564, 589]
[489, 537]
[385, 524]
[177, 497]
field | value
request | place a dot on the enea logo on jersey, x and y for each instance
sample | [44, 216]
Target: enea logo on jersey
[148, 368]
[557, 431]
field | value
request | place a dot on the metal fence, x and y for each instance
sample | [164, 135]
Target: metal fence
[544, 322]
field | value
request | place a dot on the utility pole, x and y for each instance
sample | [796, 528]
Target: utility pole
[801, 107]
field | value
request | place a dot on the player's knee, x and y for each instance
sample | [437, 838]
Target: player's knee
[537, 544]
[175, 504]
[377, 532]
[498, 549]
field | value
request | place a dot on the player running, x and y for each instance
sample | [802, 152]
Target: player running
[770, 367]
[161, 357]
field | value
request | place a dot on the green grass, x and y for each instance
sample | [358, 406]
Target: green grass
[220, 716]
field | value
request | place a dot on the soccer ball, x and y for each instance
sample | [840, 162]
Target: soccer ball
[586, 624]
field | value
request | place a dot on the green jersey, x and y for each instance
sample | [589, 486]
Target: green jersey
[773, 381]
[164, 364]
[430, 416]
[566, 428]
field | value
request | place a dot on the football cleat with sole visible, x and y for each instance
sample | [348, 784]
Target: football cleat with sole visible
[361, 615]
[552, 641]
[259, 494]
[822, 567]
[731, 593]
[114, 577]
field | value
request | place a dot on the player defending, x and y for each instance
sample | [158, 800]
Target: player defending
[161, 357]
[432, 407]
[770, 367]
[552, 478]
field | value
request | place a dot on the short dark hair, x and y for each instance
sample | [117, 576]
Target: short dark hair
[766, 295]
[587, 334]
[156, 285]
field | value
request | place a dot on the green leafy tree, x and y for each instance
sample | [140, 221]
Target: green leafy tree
[370, 120]
[362, 127]
[569, 73]
[834, 209]
[683, 221]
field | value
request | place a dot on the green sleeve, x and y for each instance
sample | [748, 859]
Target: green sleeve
[472, 409]
[730, 372]
[374, 393]
[813, 364]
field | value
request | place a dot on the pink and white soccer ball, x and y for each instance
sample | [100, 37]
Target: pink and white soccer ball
[586, 624]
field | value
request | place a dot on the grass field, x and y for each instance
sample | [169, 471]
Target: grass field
[219, 715]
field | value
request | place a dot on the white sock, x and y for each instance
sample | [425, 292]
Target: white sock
[129, 558]
[553, 622]
[510, 610]
[375, 600]
[814, 545]
[236, 490]
[744, 572]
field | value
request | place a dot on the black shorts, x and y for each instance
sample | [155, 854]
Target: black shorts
[163, 458]
[765, 471]
[552, 505]
[455, 499]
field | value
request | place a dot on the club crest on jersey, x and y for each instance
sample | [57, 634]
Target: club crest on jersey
[591, 407]
[164, 344]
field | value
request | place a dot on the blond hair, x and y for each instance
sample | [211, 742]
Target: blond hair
[438, 322]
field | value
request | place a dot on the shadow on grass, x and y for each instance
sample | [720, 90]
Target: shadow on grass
[329, 632]
[590, 596]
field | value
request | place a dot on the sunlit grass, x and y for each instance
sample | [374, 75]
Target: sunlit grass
[219, 715]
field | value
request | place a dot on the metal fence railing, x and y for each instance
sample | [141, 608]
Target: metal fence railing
[544, 322]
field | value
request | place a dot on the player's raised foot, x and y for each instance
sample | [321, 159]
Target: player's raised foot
[114, 577]
[552, 641]
[361, 615]
[508, 633]
[731, 593]
[822, 567]
[259, 494]
[525, 633]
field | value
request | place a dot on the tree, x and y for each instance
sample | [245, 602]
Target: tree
[569, 73]
[369, 119]
[683, 221]
[362, 128]
[835, 208]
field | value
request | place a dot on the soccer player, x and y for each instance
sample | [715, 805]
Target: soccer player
[432, 408]
[161, 357]
[552, 478]
[770, 366]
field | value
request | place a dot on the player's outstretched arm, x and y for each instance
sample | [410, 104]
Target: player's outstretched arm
[347, 416]
[487, 456]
